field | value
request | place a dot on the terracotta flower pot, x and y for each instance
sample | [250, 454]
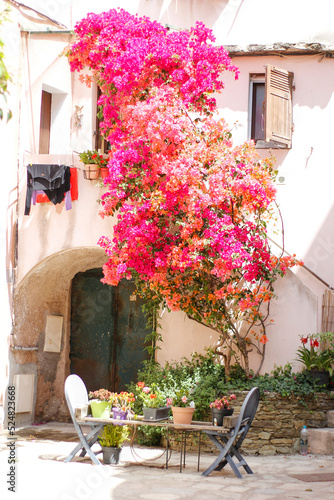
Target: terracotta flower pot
[181, 415]
[92, 171]
[104, 172]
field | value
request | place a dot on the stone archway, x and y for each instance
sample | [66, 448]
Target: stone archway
[46, 290]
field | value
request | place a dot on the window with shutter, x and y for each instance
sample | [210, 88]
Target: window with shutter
[270, 108]
[278, 106]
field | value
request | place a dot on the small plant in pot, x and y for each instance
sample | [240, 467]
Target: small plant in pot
[153, 400]
[318, 359]
[111, 441]
[122, 404]
[182, 406]
[220, 408]
[93, 162]
[100, 404]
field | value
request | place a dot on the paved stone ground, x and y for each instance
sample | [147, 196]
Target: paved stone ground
[40, 473]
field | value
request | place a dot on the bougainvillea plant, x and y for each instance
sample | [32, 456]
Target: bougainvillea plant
[192, 208]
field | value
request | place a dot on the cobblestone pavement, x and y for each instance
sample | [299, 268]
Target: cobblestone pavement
[39, 473]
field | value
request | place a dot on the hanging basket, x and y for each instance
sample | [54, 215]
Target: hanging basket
[92, 171]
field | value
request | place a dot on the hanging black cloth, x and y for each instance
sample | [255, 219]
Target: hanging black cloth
[54, 180]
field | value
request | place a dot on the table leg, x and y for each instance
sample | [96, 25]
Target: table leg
[167, 443]
[181, 451]
[199, 449]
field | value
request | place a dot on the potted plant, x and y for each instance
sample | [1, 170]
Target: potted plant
[93, 162]
[318, 359]
[153, 401]
[100, 403]
[122, 404]
[220, 408]
[182, 408]
[111, 441]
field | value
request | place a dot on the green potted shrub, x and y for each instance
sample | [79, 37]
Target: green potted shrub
[111, 440]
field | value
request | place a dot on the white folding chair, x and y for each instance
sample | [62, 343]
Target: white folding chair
[76, 396]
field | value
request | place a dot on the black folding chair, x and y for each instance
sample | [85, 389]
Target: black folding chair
[76, 396]
[229, 443]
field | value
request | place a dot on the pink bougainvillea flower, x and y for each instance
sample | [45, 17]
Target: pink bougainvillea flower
[191, 209]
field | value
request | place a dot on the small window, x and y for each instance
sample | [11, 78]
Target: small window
[257, 108]
[45, 123]
[270, 113]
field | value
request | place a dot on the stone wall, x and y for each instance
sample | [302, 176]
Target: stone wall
[277, 423]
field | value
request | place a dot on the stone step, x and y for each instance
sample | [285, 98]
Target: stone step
[321, 441]
[330, 418]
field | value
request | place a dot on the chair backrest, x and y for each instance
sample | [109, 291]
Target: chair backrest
[75, 393]
[247, 414]
[249, 406]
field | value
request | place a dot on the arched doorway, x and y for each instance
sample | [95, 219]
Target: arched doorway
[108, 330]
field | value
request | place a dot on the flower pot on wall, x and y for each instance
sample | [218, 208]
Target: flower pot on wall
[104, 172]
[181, 415]
[321, 377]
[111, 455]
[92, 171]
[219, 414]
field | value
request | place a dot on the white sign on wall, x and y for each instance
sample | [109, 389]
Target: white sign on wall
[53, 333]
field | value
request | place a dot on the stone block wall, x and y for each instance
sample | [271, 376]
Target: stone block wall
[277, 423]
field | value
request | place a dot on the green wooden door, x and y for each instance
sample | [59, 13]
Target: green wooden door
[108, 330]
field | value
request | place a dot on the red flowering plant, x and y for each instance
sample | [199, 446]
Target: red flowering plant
[100, 395]
[193, 209]
[223, 402]
[93, 157]
[150, 397]
[320, 354]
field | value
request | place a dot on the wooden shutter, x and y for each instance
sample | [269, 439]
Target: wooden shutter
[278, 106]
[45, 124]
[327, 324]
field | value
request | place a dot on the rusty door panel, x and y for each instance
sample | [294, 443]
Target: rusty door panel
[131, 327]
[107, 332]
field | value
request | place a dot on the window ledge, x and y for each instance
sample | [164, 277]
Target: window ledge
[270, 145]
